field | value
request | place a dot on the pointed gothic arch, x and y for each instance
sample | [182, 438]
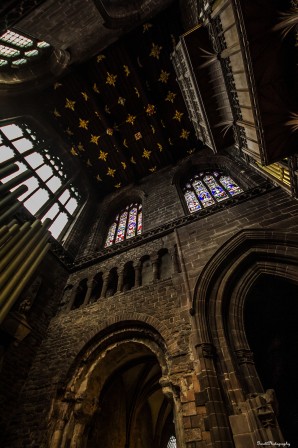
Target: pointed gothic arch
[103, 367]
[220, 337]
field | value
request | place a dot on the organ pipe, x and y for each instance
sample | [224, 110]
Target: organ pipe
[22, 246]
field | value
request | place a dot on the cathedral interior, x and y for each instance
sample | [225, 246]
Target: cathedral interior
[148, 225]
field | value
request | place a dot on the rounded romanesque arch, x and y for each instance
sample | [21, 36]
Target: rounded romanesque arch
[99, 389]
[220, 335]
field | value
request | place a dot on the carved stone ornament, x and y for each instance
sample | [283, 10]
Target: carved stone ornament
[244, 356]
[207, 350]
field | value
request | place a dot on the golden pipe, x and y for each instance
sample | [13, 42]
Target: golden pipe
[24, 278]
[14, 241]
[13, 195]
[10, 212]
[13, 279]
[9, 233]
[13, 263]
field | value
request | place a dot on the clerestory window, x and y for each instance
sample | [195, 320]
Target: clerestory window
[127, 224]
[18, 49]
[49, 190]
[207, 188]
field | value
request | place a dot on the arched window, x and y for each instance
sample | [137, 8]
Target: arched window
[17, 49]
[127, 224]
[172, 442]
[208, 188]
[49, 191]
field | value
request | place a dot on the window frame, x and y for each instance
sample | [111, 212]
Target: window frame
[42, 146]
[200, 174]
[117, 219]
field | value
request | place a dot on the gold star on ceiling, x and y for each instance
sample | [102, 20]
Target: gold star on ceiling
[111, 172]
[146, 154]
[153, 169]
[155, 51]
[150, 109]
[164, 76]
[73, 151]
[178, 115]
[83, 124]
[118, 185]
[126, 70]
[109, 131]
[100, 57]
[121, 100]
[170, 96]
[111, 79]
[70, 104]
[103, 155]
[95, 88]
[184, 134]
[138, 135]
[191, 151]
[81, 147]
[57, 85]
[94, 139]
[146, 27]
[160, 147]
[124, 165]
[69, 132]
[130, 119]
[85, 96]
[56, 113]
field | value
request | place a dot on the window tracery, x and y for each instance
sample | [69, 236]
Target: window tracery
[17, 49]
[207, 188]
[127, 224]
[49, 190]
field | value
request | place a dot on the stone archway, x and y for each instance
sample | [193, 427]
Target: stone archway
[117, 395]
[245, 412]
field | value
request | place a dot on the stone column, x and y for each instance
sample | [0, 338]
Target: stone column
[88, 292]
[120, 282]
[105, 278]
[137, 269]
[72, 297]
[155, 267]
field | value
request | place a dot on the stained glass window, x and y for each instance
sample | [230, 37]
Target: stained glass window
[49, 194]
[127, 224]
[208, 188]
[17, 49]
[172, 442]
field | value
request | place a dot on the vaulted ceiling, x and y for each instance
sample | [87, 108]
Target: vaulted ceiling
[122, 111]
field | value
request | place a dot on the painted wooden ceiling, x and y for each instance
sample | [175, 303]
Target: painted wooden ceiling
[122, 111]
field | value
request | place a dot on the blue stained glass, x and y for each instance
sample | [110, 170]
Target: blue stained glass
[217, 191]
[230, 185]
[132, 223]
[203, 194]
[121, 228]
[192, 201]
[111, 235]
